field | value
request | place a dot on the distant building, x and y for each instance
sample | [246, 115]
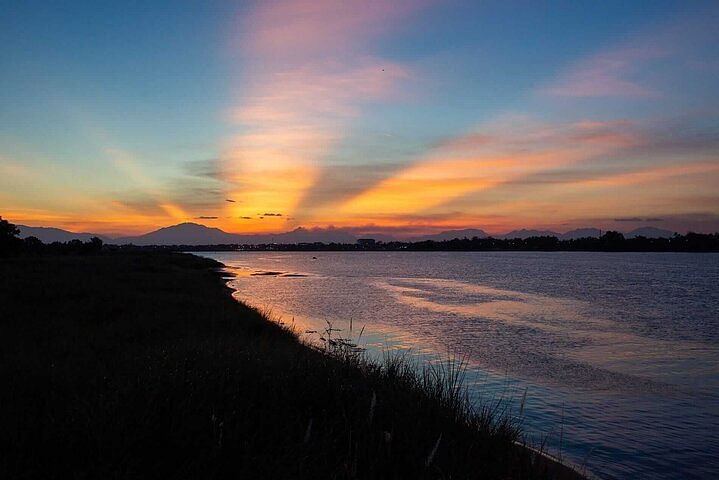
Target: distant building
[366, 242]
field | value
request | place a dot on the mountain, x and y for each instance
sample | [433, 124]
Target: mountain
[196, 234]
[649, 232]
[49, 234]
[524, 233]
[181, 234]
[451, 235]
[581, 233]
[379, 237]
[307, 235]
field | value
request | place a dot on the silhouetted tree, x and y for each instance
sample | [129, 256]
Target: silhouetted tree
[73, 246]
[33, 245]
[9, 241]
[611, 240]
[96, 243]
[93, 246]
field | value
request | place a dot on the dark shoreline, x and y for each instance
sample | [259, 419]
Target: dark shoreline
[143, 365]
[609, 242]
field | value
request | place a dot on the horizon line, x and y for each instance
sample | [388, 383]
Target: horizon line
[358, 230]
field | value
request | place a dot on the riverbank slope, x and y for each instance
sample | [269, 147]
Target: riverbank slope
[142, 365]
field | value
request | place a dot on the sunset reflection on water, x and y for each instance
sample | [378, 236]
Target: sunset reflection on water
[612, 349]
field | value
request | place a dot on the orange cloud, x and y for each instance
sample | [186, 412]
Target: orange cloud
[499, 152]
[656, 190]
[650, 175]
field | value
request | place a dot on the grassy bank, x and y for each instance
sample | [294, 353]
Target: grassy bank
[143, 366]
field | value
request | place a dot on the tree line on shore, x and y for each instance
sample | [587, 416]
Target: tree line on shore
[611, 241]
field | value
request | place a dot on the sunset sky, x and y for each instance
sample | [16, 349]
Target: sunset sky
[395, 117]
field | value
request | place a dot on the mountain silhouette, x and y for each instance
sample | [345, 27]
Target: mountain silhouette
[581, 233]
[197, 234]
[524, 233]
[451, 235]
[649, 232]
[182, 234]
[310, 235]
[50, 234]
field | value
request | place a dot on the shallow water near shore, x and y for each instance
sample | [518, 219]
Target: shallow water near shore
[618, 353]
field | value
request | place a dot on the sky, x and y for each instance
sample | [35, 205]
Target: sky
[400, 117]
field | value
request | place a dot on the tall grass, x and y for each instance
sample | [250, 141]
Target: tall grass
[441, 382]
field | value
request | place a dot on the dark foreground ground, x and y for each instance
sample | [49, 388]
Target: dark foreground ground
[142, 366]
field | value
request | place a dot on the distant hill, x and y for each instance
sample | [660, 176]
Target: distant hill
[581, 233]
[524, 233]
[451, 235]
[49, 234]
[649, 232]
[308, 235]
[196, 234]
[379, 237]
[181, 234]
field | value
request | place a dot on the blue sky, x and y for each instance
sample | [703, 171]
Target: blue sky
[409, 117]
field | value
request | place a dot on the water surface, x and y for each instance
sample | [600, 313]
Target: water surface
[618, 352]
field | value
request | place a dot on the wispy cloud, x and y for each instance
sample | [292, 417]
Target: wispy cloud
[651, 175]
[282, 30]
[175, 212]
[637, 66]
[312, 72]
[497, 152]
[208, 168]
[607, 74]
[516, 168]
[129, 166]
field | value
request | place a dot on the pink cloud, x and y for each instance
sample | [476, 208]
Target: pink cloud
[686, 40]
[607, 74]
[328, 89]
[284, 29]
[520, 133]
